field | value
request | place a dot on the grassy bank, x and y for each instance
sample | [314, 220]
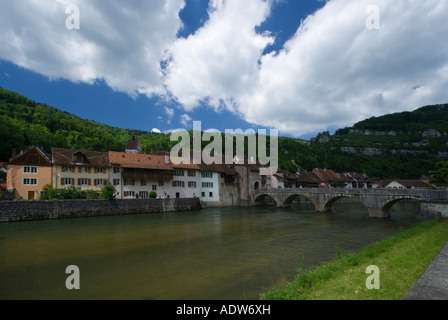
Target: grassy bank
[401, 260]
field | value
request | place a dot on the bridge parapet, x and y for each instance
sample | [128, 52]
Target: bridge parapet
[377, 201]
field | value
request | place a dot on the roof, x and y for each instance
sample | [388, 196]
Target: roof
[133, 144]
[307, 177]
[32, 155]
[139, 161]
[413, 183]
[67, 157]
[331, 176]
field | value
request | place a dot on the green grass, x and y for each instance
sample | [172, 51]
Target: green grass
[401, 260]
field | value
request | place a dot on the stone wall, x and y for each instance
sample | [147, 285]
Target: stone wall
[431, 209]
[60, 209]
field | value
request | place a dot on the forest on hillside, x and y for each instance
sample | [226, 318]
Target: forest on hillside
[24, 122]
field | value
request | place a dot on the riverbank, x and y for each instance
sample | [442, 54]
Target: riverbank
[12, 211]
[401, 259]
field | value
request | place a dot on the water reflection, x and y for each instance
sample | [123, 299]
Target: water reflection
[225, 253]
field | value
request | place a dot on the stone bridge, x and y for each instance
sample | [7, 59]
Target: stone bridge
[377, 201]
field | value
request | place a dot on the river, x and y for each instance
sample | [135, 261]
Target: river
[212, 254]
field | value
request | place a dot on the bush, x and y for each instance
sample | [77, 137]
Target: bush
[152, 195]
[108, 191]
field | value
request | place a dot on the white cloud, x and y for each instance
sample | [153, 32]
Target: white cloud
[155, 130]
[220, 61]
[121, 42]
[184, 119]
[170, 113]
[333, 72]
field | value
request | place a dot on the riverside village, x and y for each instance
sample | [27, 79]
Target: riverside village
[142, 175]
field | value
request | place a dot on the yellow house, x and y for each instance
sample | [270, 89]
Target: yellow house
[28, 173]
[84, 169]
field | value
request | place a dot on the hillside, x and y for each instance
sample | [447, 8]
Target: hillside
[401, 145]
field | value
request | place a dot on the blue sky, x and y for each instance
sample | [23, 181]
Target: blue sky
[301, 67]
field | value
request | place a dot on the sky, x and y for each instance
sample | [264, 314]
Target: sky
[301, 67]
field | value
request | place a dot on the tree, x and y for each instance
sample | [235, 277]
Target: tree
[440, 174]
[108, 191]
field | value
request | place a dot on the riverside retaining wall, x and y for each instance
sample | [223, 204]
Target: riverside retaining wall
[11, 211]
[430, 209]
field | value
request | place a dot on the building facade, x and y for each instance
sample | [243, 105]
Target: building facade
[28, 173]
[83, 169]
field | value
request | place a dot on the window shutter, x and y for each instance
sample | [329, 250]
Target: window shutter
[63, 168]
[79, 169]
[94, 182]
[88, 170]
[115, 182]
[183, 184]
[73, 169]
[105, 170]
[90, 182]
[62, 182]
[95, 170]
[79, 181]
[73, 181]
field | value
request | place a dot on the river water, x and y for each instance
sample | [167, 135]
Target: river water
[211, 254]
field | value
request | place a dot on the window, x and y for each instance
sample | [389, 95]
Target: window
[84, 170]
[67, 169]
[203, 194]
[29, 169]
[143, 182]
[207, 184]
[161, 183]
[207, 175]
[178, 172]
[211, 194]
[143, 194]
[178, 183]
[129, 193]
[84, 182]
[154, 187]
[116, 182]
[192, 184]
[68, 181]
[191, 173]
[99, 170]
[99, 182]
[116, 169]
[29, 182]
[128, 182]
[177, 195]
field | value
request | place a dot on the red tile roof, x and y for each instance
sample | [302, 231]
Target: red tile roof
[67, 157]
[139, 160]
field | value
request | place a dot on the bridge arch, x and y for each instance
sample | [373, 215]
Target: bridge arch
[288, 201]
[264, 199]
[385, 208]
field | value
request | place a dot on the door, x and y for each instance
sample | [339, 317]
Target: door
[31, 195]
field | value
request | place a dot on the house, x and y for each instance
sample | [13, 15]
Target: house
[28, 172]
[136, 175]
[308, 179]
[408, 184]
[359, 180]
[133, 146]
[218, 184]
[331, 179]
[84, 169]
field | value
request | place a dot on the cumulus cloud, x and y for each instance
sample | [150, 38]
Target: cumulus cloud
[333, 72]
[121, 42]
[184, 119]
[155, 130]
